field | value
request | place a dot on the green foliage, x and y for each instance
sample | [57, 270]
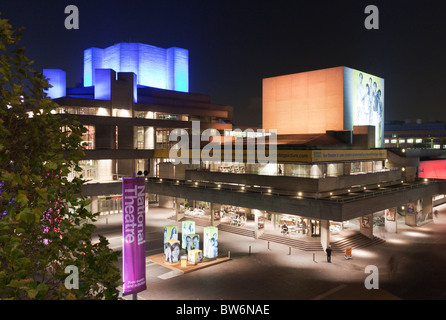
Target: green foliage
[44, 223]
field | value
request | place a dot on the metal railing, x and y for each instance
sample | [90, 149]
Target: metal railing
[353, 195]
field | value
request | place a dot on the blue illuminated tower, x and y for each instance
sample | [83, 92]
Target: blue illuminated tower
[58, 82]
[154, 67]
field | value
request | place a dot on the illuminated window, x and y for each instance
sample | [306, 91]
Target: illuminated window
[402, 141]
[393, 141]
[386, 140]
[88, 138]
[419, 140]
[436, 146]
[409, 140]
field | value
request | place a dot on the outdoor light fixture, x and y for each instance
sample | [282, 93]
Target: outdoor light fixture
[379, 185]
[404, 150]
[403, 169]
[299, 194]
[365, 188]
[178, 181]
[331, 193]
[348, 190]
[161, 180]
[196, 183]
[269, 190]
[425, 180]
[219, 186]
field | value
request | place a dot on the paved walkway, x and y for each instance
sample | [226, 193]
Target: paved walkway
[256, 272]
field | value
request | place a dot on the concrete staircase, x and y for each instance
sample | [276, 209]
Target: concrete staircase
[355, 241]
[237, 230]
[294, 243]
[198, 222]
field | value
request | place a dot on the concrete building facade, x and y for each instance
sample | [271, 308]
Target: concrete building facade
[331, 176]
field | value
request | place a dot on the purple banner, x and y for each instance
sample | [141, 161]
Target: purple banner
[134, 236]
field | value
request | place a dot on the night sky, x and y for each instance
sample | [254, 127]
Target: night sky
[233, 45]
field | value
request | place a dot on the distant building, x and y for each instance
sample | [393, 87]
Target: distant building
[415, 135]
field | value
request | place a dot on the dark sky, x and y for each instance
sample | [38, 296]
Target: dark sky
[233, 45]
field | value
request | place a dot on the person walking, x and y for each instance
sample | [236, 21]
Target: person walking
[328, 251]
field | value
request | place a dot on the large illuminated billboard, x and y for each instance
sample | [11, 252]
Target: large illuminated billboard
[323, 100]
[364, 102]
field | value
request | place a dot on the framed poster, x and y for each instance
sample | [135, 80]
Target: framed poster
[391, 214]
[365, 222]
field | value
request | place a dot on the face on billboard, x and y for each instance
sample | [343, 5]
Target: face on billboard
[172, 251]
[364, 102]
[170, 233]
[188, 228]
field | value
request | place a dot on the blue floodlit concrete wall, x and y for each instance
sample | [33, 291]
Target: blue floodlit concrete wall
[154, 67]
[58, 80]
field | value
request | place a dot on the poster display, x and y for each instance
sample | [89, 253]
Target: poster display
[170, 233]
[210, 242]
[391, 220]
[172, 251]
[188, 228]
[364, 102]
[133, 233]
[192, 242]
[365, 222]
[195, 256]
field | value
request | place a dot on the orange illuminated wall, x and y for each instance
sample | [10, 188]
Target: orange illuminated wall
[307, 102]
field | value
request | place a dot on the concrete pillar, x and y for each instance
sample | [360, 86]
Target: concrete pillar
[94, 204]
[212, 214]
[149, 138]
[391, 220]
[126, 167]
[215, 207]
[166, 202]
[105, 137]
[325, 233]
[105, 170]
[125, 137]
[366, 225]
[411, 214]
[179, 213]
[427, 208]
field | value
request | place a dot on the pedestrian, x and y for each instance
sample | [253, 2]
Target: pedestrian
[392, 265]
[328, 250]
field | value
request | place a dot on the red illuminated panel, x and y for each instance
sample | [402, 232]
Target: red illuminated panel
[434, 169]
